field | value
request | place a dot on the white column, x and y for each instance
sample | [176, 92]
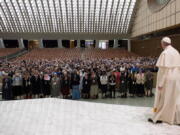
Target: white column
[60, 43]
[21, 43]
[1, 43]
[40, 43]
[97, 44]
[115, 43]
[129, 45]
[78, 43]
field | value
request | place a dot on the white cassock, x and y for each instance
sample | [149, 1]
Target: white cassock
[167, 100]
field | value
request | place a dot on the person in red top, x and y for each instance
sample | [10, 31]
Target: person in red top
[117, 75]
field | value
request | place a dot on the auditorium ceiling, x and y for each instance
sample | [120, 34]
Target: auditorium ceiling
[103, 17]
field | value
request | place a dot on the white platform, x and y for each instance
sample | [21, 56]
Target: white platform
[66, 117]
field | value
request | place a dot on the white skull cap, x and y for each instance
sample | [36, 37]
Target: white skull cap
[166, 40]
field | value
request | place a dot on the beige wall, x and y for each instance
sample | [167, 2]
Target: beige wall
[146, 21]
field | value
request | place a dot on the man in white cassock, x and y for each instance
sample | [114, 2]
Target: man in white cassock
[167, 98]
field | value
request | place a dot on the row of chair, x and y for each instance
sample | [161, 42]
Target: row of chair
[53, 53]
[7, 51]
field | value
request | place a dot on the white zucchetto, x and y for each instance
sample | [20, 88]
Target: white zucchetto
[166, 40]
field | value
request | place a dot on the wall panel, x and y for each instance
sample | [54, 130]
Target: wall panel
[151, 47]
[147, 21]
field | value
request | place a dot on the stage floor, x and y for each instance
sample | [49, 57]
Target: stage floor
[66, 117]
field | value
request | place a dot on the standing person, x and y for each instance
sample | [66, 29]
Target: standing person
[112, 85]
[94, 86]
[134, 85]
[140, 79]
[123, 85]
[27, 85]
[35, 81]
[130, 85]
[1, 80]
[98, 75]
[55, 85]
[7, 87]
[17, 85]
[104, 82]
[75, 81]
[47, 86]
[142, 76]
[167, 97]
[117, 75]
[148, 83]
[82, 73]
[65, 85]
[41, 77]
[86, 86]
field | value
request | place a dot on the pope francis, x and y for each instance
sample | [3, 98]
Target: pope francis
[167, 98]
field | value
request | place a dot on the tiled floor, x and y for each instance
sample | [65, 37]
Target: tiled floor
[137, 101]
[132, 101]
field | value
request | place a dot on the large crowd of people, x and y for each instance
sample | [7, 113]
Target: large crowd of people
[77, 77]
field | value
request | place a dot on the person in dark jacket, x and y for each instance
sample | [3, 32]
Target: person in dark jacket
[112, 84]
[86, 86]
[131, 84]
[65, 85]
[27, 86]
[35, 80]
[7, 88]
[123, 85]
[41, 85]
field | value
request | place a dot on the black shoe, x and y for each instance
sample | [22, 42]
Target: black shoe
[150, 120]
[157, 122]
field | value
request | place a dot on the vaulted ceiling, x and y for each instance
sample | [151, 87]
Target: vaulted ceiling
[66, 16]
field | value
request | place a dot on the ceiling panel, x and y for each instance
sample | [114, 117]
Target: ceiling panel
[66, 16]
